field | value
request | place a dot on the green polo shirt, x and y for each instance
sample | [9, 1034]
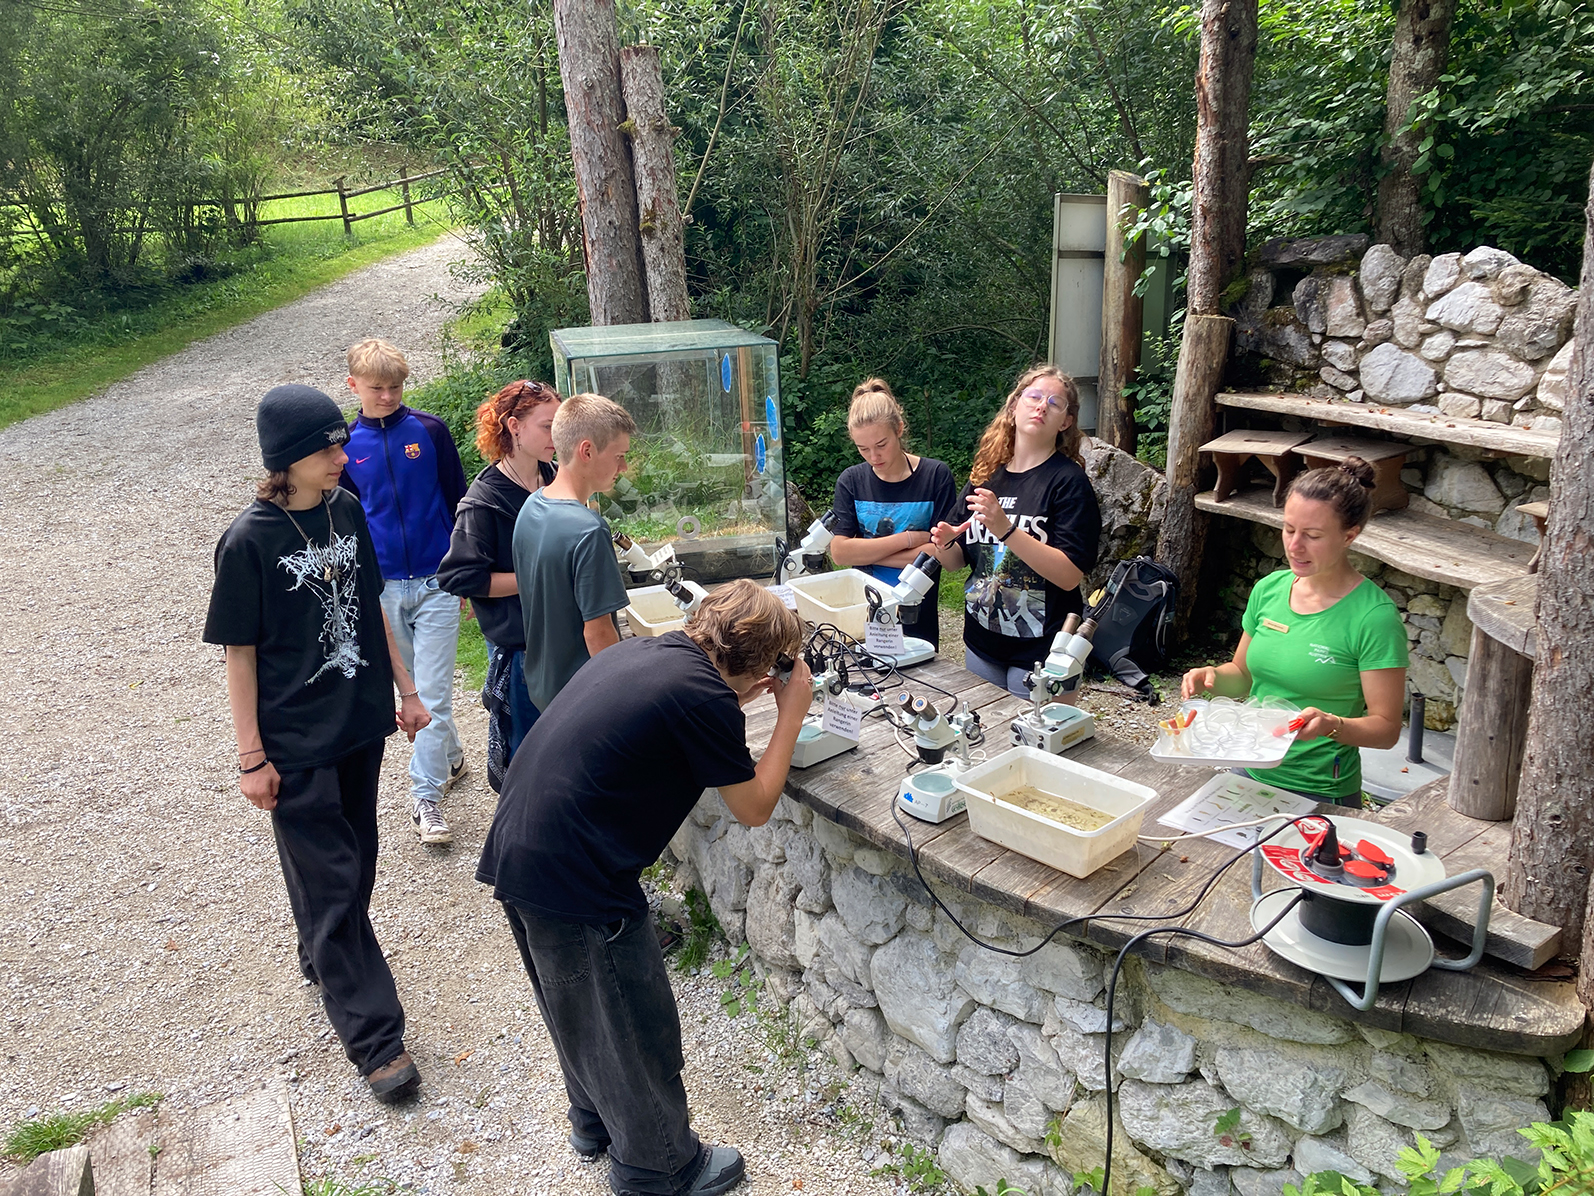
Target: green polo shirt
[1317, 660]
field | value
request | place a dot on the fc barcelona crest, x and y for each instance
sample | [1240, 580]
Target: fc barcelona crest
[412, 451]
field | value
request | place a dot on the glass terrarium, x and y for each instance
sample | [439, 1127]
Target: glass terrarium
[705, 471]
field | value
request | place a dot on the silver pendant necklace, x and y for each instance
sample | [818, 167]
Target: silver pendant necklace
[326, 571]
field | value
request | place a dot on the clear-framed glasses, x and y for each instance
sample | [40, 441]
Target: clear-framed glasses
[1039, 399]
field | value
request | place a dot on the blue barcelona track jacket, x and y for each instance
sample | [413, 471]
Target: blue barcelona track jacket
[406, 473]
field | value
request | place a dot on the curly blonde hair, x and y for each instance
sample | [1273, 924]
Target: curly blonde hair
[744, 628]
[873, 403]
[996, 445]
[515, 401]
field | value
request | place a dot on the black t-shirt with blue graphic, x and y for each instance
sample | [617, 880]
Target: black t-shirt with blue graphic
[870, 509]
[1011, 613]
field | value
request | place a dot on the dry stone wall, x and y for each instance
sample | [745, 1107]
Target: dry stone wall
[998, 1065]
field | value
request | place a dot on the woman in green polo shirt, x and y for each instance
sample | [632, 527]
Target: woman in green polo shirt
[1322, 636]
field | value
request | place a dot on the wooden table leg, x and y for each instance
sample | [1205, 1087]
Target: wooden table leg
[1389, 492]
[1284, 468]
[1229, 466]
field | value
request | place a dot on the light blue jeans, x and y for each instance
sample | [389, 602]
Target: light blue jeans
[425, 621]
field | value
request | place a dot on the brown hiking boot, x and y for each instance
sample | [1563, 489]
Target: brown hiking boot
[395, 1080]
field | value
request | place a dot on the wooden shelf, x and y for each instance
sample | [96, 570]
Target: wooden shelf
[1442, 550]
[1452, 429]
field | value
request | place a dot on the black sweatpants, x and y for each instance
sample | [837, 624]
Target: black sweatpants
[325, 827]
[605, 998]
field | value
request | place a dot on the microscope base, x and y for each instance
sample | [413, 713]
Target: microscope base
[1054, 731]
[815, 745]
[930, 795]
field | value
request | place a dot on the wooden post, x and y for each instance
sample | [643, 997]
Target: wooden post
[1492, 731]
[343, 204]
[653, 162]
[589, 64]
[1122, 311]
[1552, 839]
[1222, 172]
[404, 184]
[1202, 356]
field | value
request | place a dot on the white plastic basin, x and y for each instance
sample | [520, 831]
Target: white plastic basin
[652, 611]
[836, 598]
[1078, 853]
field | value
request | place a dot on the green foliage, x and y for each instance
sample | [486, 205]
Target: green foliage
[1578, 1061]
[1003, 1188]
[332, 1186]
[29, 1139]
[702, 932]
[471, 656]
[744, 983]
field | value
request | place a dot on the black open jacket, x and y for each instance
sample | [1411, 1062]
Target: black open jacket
[483, 544]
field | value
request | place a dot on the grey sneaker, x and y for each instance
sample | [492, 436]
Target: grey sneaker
[429, 825]
[456, 773]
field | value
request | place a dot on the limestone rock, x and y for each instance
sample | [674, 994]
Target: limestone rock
[1179, 1119]
[1495, 410]
[1430, 677]
[918, 1123]
[1380, 274]
[1211, 1183]
[998, 981]
[1458, 667]
[1312, 1155]
[1516, 1075]
[863, 1032]
[1025, 1111]
[1375, 1143]
[739, 842]
[1399, 1107]
[725, 879]
[1085, 1017]
[770, 929]
[1471, 307]
[1489, 374]
[918, 994]
[972, 1158]
[1378, 331]
[1456, 640]
[1465, 485]
[1250, 311]
[1039, 1068]
[1413, 276]
[1552, 385]
[1065, 971]
[837, 841]
[983, 1043]
[1311, 298]
[1083, 1054]
[1336, 379]
[1340, 354]
[1438, 346]
[805, 937]
[850, 956]
[1344, 315]
[1248, 1181]
[1082, 1144]
[917, 1075]
[1443, 273]
[1285, 339]
[1312, 251]
[1485, 262]
[1543, 423]
[1456, 403]
[1159, 1054]
[992, 1118]
[978, 1083]
[1512, 285]
[1490, 1120]
[1391, 375]
[871, 910]
[1196, 996]
[1542, 323]
[1537, 468]
[1406, 323]
[1298, 1092]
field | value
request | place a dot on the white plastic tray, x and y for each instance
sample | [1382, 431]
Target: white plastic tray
[836, 598]
[1078, 853]
[652, 611]
[1269, 748]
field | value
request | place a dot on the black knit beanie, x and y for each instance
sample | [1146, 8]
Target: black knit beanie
[295, 421]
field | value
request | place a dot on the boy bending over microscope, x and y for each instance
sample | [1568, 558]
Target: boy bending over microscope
[601, 783]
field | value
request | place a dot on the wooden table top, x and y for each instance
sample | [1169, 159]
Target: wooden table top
[1493, 1006]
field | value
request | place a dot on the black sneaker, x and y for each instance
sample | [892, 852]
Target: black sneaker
[723, 1170]
[587, 1148]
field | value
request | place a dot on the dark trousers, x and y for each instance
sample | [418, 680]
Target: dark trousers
[325, 827]
[606, 1000]
[522, 712]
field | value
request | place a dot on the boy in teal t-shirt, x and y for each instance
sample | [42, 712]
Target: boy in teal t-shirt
[1317, 660]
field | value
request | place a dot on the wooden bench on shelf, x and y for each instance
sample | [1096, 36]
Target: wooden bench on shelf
[1501, 440]
[1232, 450]
[1386, 457]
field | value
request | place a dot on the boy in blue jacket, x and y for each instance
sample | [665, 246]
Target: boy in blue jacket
[406, 472]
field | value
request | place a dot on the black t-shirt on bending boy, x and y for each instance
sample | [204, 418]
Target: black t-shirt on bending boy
[608, 774]
[313, 614]
[868, 508]
[1011, 613]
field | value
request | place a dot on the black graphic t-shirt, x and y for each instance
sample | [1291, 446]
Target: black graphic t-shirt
[313, 613]
[1011, 613]
[870, 509]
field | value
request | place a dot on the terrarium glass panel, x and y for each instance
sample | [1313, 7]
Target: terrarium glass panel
[705, 470]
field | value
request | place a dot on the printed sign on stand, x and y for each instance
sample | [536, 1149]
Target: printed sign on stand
[880, 640]
[842, 718]
[786, 595]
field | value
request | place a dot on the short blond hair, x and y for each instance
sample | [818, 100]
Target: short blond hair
[589, 417]
[375, 360]
[873, 403]
[745, 629]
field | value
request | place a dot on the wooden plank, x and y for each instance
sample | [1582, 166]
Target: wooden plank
[65, 1172]
[243, 1146]
[1505, 612]
[1495, 1009]
[1452, 429]
[122, 1161]
[1443, 550]
[1265, 441]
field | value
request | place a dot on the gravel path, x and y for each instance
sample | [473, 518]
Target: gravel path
[145, 940]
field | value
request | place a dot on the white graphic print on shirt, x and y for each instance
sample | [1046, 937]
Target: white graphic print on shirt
[329, 571]
[1003, 594]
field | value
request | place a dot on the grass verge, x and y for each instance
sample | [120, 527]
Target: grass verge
[294, 260]
[29, 1139]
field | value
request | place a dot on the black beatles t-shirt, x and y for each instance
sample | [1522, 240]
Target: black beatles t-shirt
[1011, 613]
[608, 774]
[313, 613]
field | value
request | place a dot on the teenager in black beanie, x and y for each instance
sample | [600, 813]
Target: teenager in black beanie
[311, 666]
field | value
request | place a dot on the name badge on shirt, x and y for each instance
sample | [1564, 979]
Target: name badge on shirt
[1278, 627]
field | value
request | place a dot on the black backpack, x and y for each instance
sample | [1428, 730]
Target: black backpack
[1133, 614]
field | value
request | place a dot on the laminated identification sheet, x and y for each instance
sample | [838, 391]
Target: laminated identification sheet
[1229, 798]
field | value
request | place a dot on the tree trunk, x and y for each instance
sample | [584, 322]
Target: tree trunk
[1202, 356]
[1222, 172]
[589, 64]
[652, 155]
[1552, 839]
[1121, 312]
[1422, 43]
